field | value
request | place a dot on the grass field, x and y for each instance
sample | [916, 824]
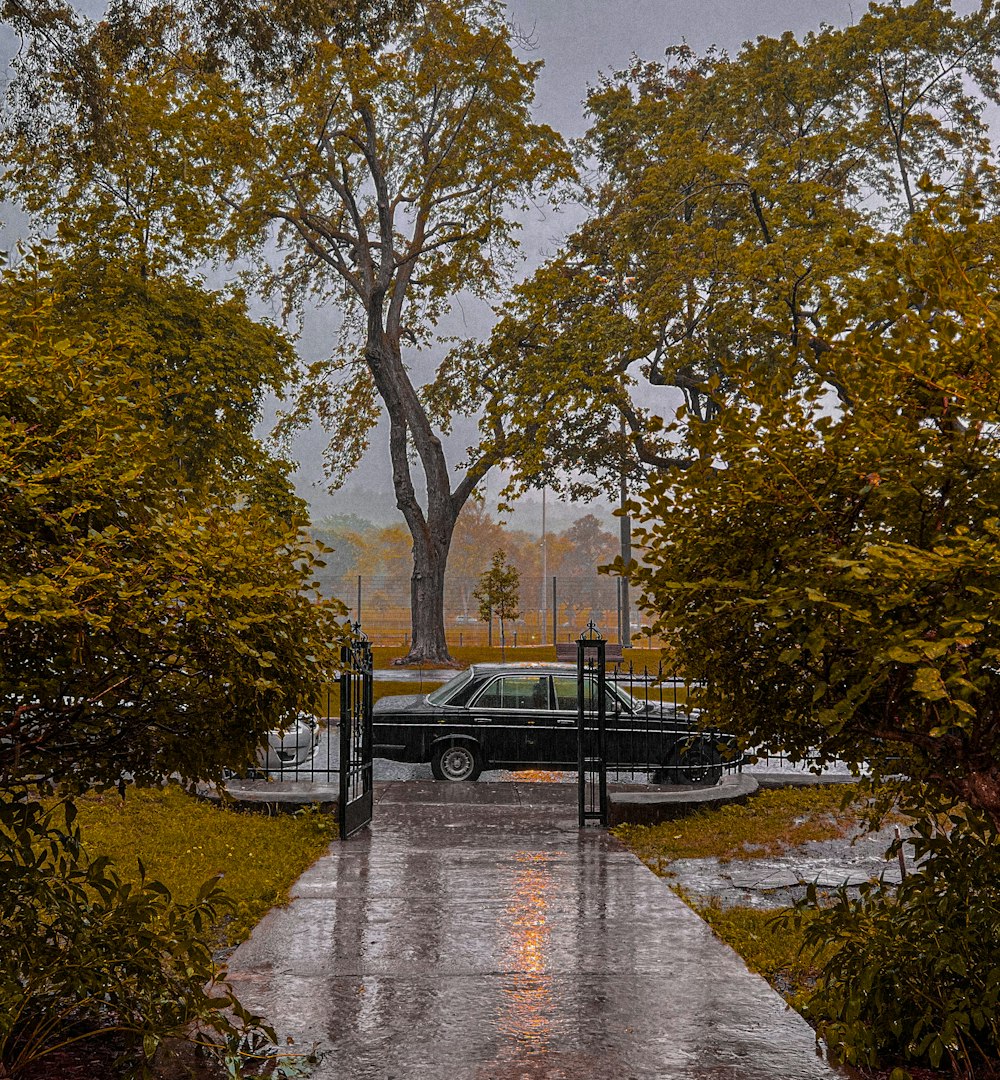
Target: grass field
[182, 841]
[770, 823]
[482, 654]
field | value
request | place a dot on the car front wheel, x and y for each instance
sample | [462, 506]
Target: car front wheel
[455, 762]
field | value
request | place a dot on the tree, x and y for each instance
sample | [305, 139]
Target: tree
[728, 199]
[390, 169]
[209, 363]
[587, 546]
[154, 618]
[830, 572]
[475, 535]
[498, 594]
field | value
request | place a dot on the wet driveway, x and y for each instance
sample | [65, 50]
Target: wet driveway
[475, 933]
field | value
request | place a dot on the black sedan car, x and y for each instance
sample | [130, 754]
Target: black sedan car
[519, 716]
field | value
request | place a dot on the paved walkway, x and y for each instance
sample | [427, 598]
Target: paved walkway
[475, 933]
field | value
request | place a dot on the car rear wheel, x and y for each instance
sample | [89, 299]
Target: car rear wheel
[455, 762]
[697, 763]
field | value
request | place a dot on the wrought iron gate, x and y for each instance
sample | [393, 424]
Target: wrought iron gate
[356, 781]
[591, 740]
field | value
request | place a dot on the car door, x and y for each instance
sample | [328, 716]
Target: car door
[510, 716]
[564, 690]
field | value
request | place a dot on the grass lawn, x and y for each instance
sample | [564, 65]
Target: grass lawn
[770, 823]
[182, 841]
[769, 945]
[483, 654]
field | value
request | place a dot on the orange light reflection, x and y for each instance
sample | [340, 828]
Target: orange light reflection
[528, 993]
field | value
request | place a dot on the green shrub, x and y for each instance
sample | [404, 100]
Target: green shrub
[914, 974]
[85, 954]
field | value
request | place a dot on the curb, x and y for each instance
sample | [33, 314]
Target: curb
[272, 797]
[771, 781]
[652, 807]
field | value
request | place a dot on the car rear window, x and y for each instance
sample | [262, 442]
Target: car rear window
[565, 690]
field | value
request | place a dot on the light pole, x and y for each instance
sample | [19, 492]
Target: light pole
[545, 570]
[625, 538]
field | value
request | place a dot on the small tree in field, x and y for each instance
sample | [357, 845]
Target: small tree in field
[499, 594]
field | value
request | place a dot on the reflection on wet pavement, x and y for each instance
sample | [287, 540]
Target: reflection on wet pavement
[527, 1006]
[476, 932]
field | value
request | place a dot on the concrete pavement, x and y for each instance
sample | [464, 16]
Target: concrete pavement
[476, 933]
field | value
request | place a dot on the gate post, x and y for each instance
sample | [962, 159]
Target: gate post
[354, 810]
[590, 742]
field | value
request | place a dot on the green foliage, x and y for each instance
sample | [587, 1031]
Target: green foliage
[726, 208]
[499, 593]
[914, 974]
[153, 617]
[209, 363]
[387, 166]
[181, 841]
[770, 823]
[828, 564]
[85, 954]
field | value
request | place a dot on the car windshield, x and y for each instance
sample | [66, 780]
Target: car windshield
[443, 694]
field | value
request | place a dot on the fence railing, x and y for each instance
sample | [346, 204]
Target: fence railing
[657, 738]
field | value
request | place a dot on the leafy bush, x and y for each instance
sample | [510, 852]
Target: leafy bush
[84, 954]
[914, 975]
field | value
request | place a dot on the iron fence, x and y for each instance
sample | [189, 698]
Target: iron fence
[555, 610]
[653, 734]
[660, 738]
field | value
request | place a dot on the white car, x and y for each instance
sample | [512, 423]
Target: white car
[292, 748]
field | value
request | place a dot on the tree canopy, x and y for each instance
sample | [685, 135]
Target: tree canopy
[830, 570]
[388, 166]
[153, 615]
[727, 197]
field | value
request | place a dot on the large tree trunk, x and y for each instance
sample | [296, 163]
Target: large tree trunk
[432, 529]
[430, 559]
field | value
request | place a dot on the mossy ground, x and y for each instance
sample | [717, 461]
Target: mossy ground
[770, 823]
[769, 944]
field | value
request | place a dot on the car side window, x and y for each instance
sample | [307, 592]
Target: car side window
[526, 692]
[565, 688]
[490, 698]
